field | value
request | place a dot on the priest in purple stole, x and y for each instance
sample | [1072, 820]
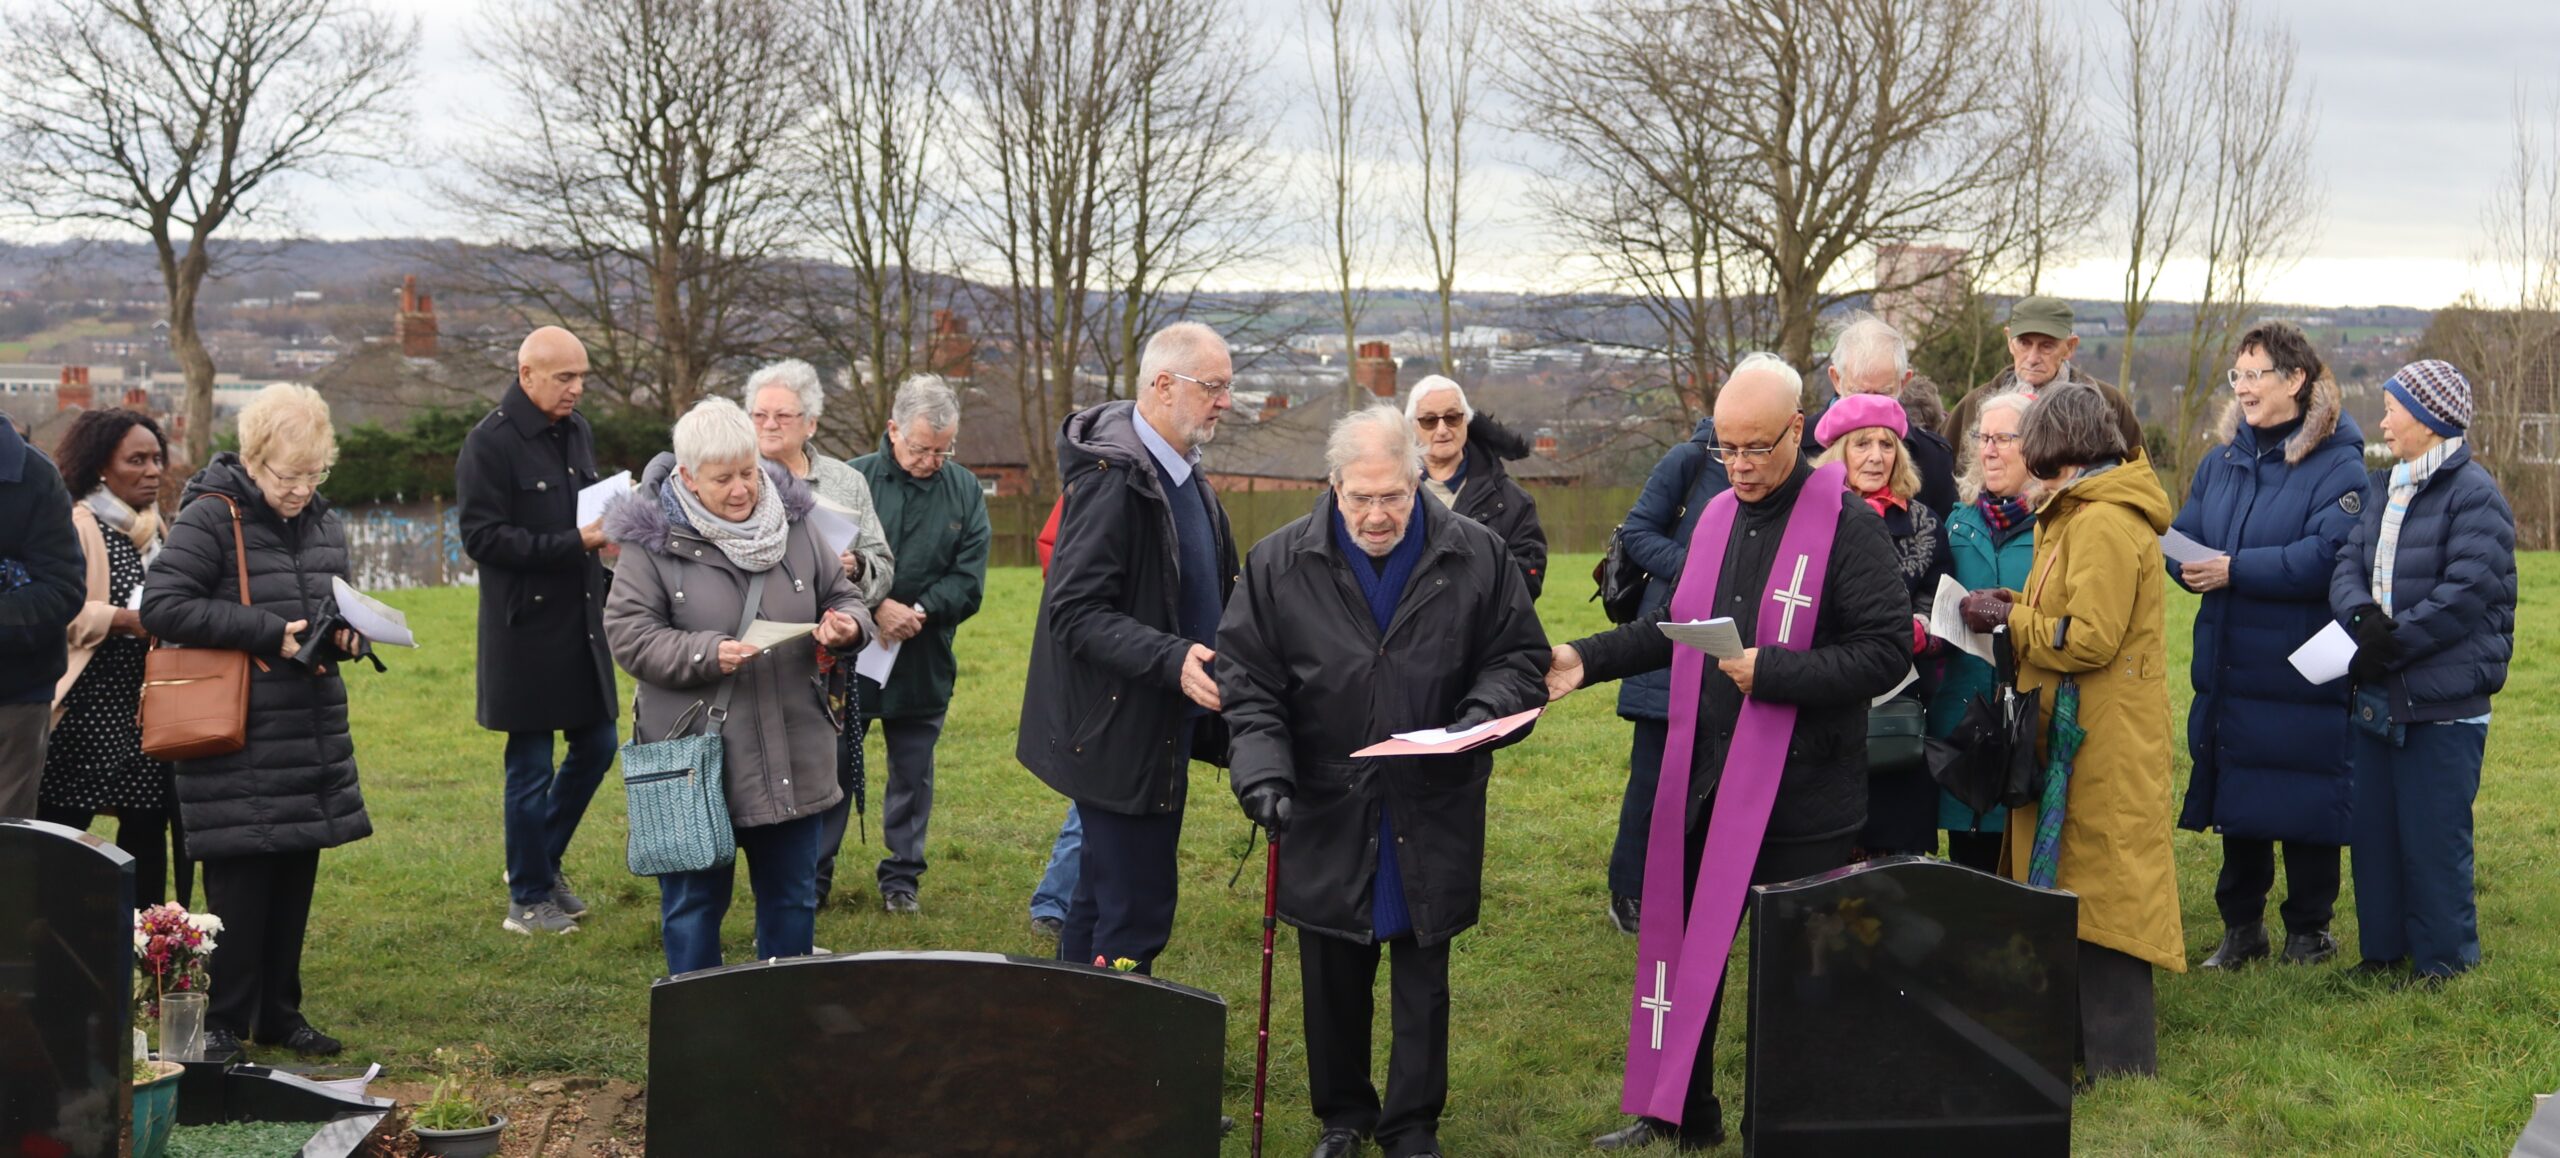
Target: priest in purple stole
[1764, 776]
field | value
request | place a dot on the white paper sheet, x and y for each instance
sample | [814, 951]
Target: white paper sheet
[765, 634]
[372, 618]
[2181, 549]
[1946, 621]
[135, 602]
[876, 660]
[1715, 637]
[2326, 656]
[835, 526]
[593, 497]
[1441, 735]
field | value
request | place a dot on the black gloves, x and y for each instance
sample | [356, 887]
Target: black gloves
[2377, 649]
[1474, 714]
[1267, 804]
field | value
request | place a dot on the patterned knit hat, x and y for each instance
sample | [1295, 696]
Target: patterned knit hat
[2435, 394]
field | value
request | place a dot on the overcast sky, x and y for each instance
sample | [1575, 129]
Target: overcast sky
[2414, 98]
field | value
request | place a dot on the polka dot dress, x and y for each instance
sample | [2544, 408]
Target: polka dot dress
[93, 761]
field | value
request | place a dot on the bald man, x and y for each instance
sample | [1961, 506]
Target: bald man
[543, 667]
[1766, 758]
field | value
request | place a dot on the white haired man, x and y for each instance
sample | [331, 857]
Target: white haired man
[1386, 851]
[1462, 457]
[2043, 338]
[1872, 357]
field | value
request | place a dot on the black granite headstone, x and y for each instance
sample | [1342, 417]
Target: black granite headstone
[1911, 1007]
[932, 1054]
[66, 990]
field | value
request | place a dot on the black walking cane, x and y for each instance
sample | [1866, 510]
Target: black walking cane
[1262, 1041]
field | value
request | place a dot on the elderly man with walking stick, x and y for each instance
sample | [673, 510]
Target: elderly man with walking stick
[1371, 615]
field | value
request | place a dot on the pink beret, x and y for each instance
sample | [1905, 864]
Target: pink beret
[1859, 411]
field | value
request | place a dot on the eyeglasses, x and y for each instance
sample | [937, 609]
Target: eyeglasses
[1214, 389]
[1387, 502]
[774, 417]
[2002, 441]
[296, 482]
[1453, 420]
[941, 454]
[1722, 453]
[2253, 377]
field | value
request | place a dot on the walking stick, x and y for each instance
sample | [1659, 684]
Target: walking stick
[1262, 1040]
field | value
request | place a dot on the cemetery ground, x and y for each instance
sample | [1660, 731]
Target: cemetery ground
[406, 955]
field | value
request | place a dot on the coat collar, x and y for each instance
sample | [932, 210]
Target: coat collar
[527, 418]
[1314, 534]
[2322, 417]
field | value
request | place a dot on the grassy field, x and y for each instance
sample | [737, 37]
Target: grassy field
[406, 953]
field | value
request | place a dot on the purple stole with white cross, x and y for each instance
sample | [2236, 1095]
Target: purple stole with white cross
[1680, 963]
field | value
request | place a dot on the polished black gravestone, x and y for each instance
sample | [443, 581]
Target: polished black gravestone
[932, 1054]
[1910, 1006]
[66, 990]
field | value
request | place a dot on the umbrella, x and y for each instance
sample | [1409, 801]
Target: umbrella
[2062, 748]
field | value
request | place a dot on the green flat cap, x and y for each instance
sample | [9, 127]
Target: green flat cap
[2041, 315]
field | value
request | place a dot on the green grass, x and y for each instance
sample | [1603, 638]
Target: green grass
[406, 955]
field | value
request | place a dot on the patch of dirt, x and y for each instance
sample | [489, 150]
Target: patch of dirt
[572, 1117]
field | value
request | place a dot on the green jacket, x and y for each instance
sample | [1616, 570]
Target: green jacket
[938, 529]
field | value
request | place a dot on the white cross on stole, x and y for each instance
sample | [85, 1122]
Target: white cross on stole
[1660, 1003]
[1793, 597]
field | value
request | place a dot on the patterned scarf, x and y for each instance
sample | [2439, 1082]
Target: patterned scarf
[754, 545]
[2005, 517]
[2406, 478]
[143, 527]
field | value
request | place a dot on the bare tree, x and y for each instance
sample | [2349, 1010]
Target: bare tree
[2063, 184]
[640, 182]
[1441, 42]
[2158, 82]
[2259, 199]
[873, 146]
[2510, 342]
[177, 118]
[1337, 33]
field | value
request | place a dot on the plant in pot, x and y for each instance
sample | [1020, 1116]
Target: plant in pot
[171, 948]
[455, 1121]
[155, 1105]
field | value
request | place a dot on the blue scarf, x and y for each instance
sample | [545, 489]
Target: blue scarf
[1383, 588]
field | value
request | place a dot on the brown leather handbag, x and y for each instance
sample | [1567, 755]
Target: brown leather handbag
[195, 700]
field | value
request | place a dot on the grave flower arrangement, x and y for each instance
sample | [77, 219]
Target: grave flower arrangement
[170, 949]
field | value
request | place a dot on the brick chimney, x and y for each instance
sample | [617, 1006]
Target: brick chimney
[137, 398]
[414, 327]
[951, 352]
[1272, 404]
[1544, 445]
[1375, 370]
[73, 392]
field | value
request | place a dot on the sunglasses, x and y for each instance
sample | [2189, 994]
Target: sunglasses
[1452, 420]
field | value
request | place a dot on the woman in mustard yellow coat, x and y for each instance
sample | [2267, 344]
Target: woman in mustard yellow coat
[2091, 611]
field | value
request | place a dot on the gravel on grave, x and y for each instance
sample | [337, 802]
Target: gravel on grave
[240, 1140]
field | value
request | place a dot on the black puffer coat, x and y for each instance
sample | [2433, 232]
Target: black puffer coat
[1306, 678]
[293, 788]
[1490, 496]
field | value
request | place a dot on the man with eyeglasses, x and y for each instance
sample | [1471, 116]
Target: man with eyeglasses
[543, 667]
[1764, 776]
[1462, 457]
[1121, 697]
[1388, 851]
[1871, 357]
[2042, 340]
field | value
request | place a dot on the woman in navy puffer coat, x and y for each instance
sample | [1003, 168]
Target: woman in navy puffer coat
[2270, 749]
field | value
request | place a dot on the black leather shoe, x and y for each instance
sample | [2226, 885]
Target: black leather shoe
[2309, 948]
[2241, 944]
[222, 1045]
[1336, 1142]
[1623, 912]
[1647, 1131]
[310, 1042]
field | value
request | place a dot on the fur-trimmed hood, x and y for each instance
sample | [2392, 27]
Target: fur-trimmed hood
[639, 519]
[2321, 418]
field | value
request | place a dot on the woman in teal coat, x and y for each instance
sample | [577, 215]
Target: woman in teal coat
[1992, 538]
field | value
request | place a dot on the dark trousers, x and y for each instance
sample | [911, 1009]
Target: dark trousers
[2249, 874]
[264, 901]
[2413, 847]
[1635, 811]
[782, 864]
[23, 728]
[1777, 863]
[544, 804]
[1975, 850]
[1127, 888]
[1338, 979]
[906, 804]
[2119, 1023]
[155, 840]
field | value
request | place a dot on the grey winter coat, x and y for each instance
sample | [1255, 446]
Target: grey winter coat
[675, 597]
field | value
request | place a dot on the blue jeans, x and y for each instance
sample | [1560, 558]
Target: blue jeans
[544, 807]
[782, 868]
[1635, 812]
[1057, 891]
[2412, 851]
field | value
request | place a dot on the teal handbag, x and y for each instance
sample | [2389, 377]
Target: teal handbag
[678, 800]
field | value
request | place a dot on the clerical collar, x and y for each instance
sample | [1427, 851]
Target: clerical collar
[1177, 465]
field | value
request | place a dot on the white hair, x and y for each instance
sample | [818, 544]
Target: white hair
[714, 431]
[925, 399]
[793, 375]
[1176, 348]
[1866, 343]
[1763, 360]
[1372, 431]
[1434, 384]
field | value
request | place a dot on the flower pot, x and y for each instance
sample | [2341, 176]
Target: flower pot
[477, 1142]
[155, 1109]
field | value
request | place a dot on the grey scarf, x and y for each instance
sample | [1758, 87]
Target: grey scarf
[143, 527]
[754, 545]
